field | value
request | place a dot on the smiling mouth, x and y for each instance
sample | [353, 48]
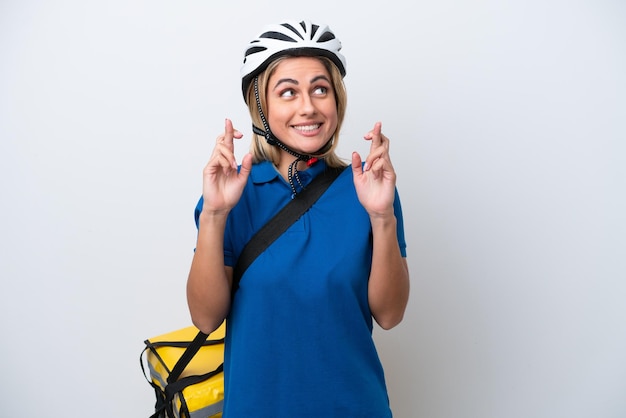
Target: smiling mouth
[307, 128]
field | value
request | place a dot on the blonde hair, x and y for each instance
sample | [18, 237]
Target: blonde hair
[260, 149]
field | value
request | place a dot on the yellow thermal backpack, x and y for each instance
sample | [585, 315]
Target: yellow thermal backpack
[198, 392]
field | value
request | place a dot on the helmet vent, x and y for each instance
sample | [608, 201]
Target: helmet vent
[255, 49]
[294, 30]
[277, 36]
[314, 29]
[326, 36]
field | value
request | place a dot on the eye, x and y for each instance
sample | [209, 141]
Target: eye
[320, 90]
[287, 93]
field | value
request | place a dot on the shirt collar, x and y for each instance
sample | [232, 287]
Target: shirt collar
[265, 172]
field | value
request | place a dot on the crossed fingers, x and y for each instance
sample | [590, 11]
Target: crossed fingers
[378, 157]
[224, 152]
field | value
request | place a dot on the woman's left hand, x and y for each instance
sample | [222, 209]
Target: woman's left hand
[375, 181]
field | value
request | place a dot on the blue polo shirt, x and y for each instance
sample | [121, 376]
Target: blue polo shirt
[299, 335]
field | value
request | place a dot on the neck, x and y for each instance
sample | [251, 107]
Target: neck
[286, 160]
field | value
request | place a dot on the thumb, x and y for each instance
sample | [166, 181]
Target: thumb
[246, 167]
[357, 164]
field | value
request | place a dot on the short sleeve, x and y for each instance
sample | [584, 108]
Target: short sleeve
[397, 210]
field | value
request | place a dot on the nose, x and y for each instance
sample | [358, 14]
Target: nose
[307, 106]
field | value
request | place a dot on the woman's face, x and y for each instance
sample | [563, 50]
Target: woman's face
[301, 106]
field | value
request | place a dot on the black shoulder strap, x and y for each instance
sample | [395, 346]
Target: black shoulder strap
[290, 213]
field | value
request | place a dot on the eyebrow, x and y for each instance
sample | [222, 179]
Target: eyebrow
[291, 80]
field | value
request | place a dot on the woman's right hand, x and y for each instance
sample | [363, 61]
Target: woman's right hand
[222, 185]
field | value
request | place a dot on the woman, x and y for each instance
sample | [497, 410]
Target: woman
[299, 335]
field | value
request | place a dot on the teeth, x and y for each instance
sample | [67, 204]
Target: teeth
[307, 127]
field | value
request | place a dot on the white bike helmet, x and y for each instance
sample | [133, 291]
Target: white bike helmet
[289, 38]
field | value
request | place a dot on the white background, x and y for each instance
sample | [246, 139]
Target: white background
[508, 129]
